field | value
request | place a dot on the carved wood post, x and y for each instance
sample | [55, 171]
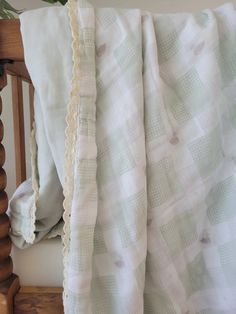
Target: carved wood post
[9, 282]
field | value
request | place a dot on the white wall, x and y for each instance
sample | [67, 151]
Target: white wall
[157, 5]
[36, 265]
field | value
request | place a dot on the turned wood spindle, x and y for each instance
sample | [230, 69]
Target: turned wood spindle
[9, 282]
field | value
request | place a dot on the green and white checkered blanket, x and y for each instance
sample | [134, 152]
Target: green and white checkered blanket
[150, 154]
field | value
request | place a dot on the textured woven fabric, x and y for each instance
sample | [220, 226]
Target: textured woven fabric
[32, 221]
[150, 203]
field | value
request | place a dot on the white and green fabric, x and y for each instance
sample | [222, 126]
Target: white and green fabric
[36, 213]
[147, 128]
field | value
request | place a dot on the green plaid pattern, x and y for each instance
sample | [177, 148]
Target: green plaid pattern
[196, 276]
[163, 182]
[179, 233]
[152, 226]
[220, 201]
[207, 152]
[227, 255]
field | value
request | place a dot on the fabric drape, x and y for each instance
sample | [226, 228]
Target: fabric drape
[143, 108]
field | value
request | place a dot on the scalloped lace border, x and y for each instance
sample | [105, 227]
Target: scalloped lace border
[70, 136]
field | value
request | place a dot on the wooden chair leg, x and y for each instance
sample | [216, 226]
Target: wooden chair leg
[8, 289]
[9, 282]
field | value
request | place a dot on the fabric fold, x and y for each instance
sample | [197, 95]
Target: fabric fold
[138, 113]
[80, 188]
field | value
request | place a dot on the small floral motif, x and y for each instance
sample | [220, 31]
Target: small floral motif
[174, 140]
[101, 50]
[119, 263]
[205, 239]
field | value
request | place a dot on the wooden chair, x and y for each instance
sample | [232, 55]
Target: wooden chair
[27, 299]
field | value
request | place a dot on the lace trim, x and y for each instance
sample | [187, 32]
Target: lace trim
[70, 135]
[29, 238]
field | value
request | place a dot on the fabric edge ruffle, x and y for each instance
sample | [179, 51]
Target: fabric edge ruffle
[70, 136]
[30, 237]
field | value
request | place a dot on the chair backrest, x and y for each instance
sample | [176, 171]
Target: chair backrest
[18, 73]
[11, 49]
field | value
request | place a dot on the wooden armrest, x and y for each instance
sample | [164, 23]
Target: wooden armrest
[11, 46]
[19, 69]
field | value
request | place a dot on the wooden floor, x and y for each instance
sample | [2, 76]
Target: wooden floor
[37, 300]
